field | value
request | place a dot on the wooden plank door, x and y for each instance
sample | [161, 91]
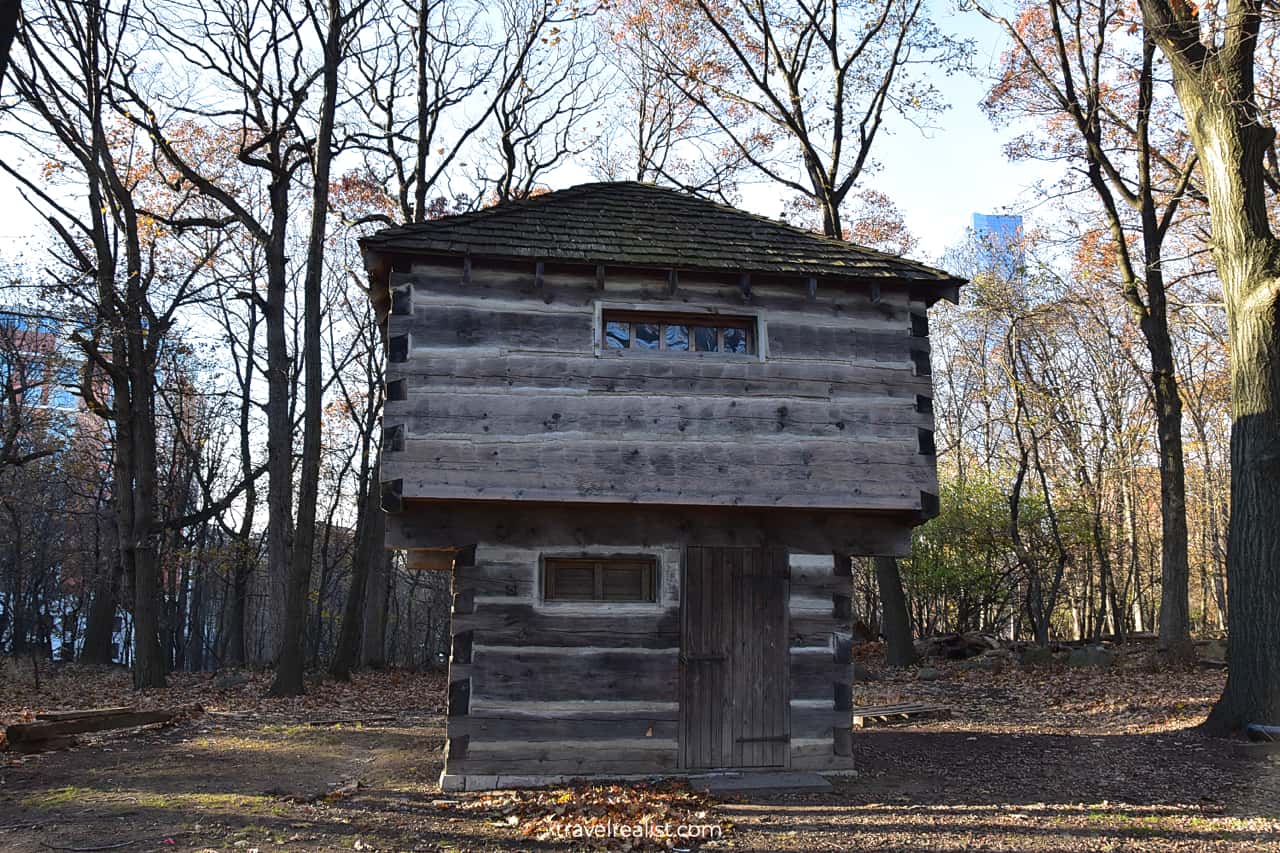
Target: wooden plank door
[734, 688]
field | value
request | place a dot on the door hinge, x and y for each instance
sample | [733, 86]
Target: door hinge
[701, 658]
[772, 739]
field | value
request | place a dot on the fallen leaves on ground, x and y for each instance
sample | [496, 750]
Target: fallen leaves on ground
[1130, 697]
[1033, 760]
[67, 686]
[610, 817]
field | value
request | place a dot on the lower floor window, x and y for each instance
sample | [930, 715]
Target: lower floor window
[599, 579]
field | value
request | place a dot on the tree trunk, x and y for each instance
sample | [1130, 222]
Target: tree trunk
[10, 10]
[1175, 610]
[236, 655]
[100, 621]
[135, 466]
[195, 614]
[289, 669]
[367, 552]
[279, 418]
[377, 585]
[894, 623]
[1252, 693]
[1215, 86]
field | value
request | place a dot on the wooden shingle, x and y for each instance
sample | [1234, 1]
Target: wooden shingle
[643, 225]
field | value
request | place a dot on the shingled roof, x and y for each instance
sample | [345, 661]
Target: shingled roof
[650, 226]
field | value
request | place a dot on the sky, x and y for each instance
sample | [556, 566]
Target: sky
[939, 179]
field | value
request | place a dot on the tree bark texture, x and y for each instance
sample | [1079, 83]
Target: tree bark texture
[894, 624]
[1215, 86]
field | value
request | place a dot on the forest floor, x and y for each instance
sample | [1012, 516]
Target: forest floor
[1041, 759]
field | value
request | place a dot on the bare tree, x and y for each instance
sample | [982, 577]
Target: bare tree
[362, 398]
[428, 83]
[652, 132]
[335, 26]
[813, 84]
[128, 285]
[1069, 60]
[539, 121]
[254, 52]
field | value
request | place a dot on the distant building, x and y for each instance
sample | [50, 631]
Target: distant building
[999, 241]
[39, 368]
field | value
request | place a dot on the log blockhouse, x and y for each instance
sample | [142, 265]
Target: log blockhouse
[646, 432]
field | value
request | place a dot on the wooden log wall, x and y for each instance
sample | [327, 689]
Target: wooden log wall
[562, 688]
[498, 392]
[448, 525]
[543, 690]
[821, 663]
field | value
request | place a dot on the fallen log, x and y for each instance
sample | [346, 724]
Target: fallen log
[87, 712]
[46, 745]
[27, 737]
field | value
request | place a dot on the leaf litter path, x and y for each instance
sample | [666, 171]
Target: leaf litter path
[1054, 760]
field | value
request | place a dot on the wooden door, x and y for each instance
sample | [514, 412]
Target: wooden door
[734, 678]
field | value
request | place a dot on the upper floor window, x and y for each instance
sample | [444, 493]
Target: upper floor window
[678, 333]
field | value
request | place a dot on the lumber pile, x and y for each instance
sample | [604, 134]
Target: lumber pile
[57, 729]
[905, 712]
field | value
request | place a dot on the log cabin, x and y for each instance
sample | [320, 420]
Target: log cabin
[646, 433]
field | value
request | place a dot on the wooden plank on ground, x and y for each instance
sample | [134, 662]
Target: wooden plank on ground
[85, 713]
[49, 732]
[903, 712]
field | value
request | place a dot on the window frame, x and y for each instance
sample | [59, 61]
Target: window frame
[549, 563]
[752, 320]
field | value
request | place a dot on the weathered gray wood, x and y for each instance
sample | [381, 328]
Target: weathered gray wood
[465, 326]
[800, 340]
[841, 648]
[815, 579]
[464, 601]
[734, 704]
[566, 757]
[584, 709]
[489, 729]
[86, 713]
[443, 524]
[459, 694]
[818, 755]
[455, 749]
[817, 473]
[642, 415]
[903, 712]
[504, 624]
[809, 722]
[56, 729]
[659, 375]
[581, 287]
[572, 674]
[813, 673]
[508, 578]
[814, 628]
[842, 737]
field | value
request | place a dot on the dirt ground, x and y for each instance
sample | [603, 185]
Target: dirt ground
[1052, 759]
